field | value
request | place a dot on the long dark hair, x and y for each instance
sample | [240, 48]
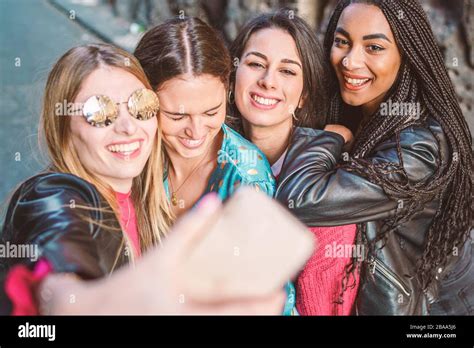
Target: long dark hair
[183, 46]
[422, 78]
[313, 114]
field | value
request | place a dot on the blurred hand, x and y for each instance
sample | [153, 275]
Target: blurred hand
[168, 259]
[153, 285]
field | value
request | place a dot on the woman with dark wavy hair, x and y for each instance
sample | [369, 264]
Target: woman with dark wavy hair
[407, 180]
[279, 89]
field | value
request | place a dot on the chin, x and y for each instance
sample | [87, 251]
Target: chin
[261, 119]
[125, 174]
[192, 153]
[352, 100]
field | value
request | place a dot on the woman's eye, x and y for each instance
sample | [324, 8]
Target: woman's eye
[256, 65]
[288, 72]
[174, 118]
[375, 48]
[210, 115]
[340, 42]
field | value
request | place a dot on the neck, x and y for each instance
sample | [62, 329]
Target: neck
[271, 140]
[120, 186]
[182, 167]
[368, 109]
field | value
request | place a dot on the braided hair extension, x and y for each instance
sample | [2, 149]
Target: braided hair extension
[422, 79]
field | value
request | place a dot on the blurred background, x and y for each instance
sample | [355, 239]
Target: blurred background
[35, 33]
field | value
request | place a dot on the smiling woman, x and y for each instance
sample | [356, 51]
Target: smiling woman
[189, 68]
[101, 167]
[280, 92]
[407, 178]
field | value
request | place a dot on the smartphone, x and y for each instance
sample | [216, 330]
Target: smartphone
[252, 248]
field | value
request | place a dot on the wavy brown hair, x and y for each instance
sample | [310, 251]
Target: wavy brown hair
[313, 114]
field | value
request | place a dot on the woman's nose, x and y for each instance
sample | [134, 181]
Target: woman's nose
[125, 123]
[268, 80]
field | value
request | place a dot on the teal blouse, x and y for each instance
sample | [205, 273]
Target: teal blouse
[239, 162]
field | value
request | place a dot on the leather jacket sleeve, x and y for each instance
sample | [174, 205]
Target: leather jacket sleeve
[47, 212]
[322, 194]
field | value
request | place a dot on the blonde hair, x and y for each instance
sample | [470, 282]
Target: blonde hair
[153, 212]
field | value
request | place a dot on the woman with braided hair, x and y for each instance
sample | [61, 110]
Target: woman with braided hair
[406, 178]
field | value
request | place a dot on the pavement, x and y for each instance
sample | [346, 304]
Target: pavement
[33, 35]
[98, 18]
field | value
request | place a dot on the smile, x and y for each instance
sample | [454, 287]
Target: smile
[355, 83]
[263, 102]
[192, 143]
[126, 150]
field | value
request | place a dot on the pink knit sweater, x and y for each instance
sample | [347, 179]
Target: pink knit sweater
[319, 285]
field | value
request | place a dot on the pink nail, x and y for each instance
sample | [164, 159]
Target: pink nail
[209, 202]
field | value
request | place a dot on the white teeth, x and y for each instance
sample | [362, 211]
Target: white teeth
[191, 142]
[126, 149]
[355, 82]
[264, 101]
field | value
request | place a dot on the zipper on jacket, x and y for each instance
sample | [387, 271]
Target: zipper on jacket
[375, 264]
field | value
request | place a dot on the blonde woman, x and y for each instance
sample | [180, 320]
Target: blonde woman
[101, 203]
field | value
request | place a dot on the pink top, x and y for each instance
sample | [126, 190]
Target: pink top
[128, 219]
[319, 285]
[21, 283]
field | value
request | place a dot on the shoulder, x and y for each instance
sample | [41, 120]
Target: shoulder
[426, 139]
[59, 185]
[244, 157]
[428, 133]
[304, 132]
[424, 150]
[49, 195]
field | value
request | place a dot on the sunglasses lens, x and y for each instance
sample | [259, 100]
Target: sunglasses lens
[143, 104]
[100, 111]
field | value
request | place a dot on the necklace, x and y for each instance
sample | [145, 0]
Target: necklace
[174, 197]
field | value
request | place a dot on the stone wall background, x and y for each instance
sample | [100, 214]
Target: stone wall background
[452, 22]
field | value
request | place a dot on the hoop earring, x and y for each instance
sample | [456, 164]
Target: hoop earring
[294, 116]
[230, 98]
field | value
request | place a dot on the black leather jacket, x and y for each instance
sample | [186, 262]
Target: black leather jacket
[321, 194]
[46, 211]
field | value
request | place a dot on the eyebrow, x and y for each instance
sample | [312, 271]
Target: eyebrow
[365, 37]
[376, 36]
[185, 114]
[284, 60]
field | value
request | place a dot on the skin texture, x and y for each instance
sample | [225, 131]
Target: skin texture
[365, 51]
[271, 68]
[91, 143]
[191, 108]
